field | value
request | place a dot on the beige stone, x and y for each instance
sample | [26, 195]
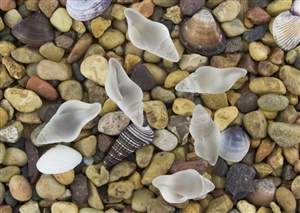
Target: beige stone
[224, 116]
[47, 187]
[121, 169]
[183, 106]
[94, 199]
[52, 52]
[63, 206]
[61, 20]
[87, 146]
[65, 178]
[20, 188]
[258, 51]
[214, 101]
[156, 113]
[6, 47]
[98, 174]
[174, 78]
[99, 25]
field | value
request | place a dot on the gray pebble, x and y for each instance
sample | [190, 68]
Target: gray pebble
[256, 33]
[259, 3]
[233, 45]
[288, 172]
[9, 199]
[297, 63]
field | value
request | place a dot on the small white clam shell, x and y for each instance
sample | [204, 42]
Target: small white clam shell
[149, 35]
[207, 79]
[234, 145]
[58, 159]
[124, 92]
[206, 134]
[183, 185]
[68, 121]
[286, 30]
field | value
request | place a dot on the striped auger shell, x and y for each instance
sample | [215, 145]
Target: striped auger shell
[128, 141]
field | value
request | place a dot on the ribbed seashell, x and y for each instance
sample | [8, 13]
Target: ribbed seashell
[58, 159]
[68, 121]
[84, 10]
[264, 193]
[207, 79]
[151, 36]
[286, 30]
[183, 185]
[295, 9]
[202, 34]
[124, 92]
[128, 141]
[34, 30]
[206, 135]
[234, 144]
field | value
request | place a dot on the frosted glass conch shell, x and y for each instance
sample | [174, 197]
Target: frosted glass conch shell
[206, 135]
[149, 35]
[124, 92]
[183, 185]
[68, 121]
[207, 79]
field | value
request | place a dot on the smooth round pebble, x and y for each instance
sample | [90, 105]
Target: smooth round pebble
[295, 187]
[49, 188]
[286, 199]
[20, 188]
[63, 206]
[224, 116]
[164, 95]
[291, 78]
[227, 11]
[256, 124]
[15, 157]
[183, 106]
[273, 102]
[61, 20]
[8, 172]
[164, 140]
[51, 70]
[140, 198]
[70, 90]
[265, 85]
[113, 123]
[258, 51]
[111, 38]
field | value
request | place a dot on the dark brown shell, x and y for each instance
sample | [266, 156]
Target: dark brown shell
[34, 30]
[201, 34]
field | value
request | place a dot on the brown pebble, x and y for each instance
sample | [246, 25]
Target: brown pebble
[64, 42]
[265, 148]
[199, 165]
[49, 188]
[225, 60]
[286, 199]
[7, 5]
[5, 209]
[20, 188]
[80, 48]
[256, 16]
[48, 7]
[267, 68]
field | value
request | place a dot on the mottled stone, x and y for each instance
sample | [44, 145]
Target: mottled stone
[70, 90]
[256, 124]
[276, 160]
[262, 169]
[156, 113]
[113, 123]
[288, 173]
[15, 69]
[51, 70]
[214, 101]
[224, 116]
[221, 204]
[190, 62]
[33, 156]
[174, 14]
[121, 169]
[291, 78]
[79, 189]
[256, 15]
[144, 155]
[225, 60]
[227, 11]
[183, 106]
[201, 166]
[20, 188]
[233, 45]
[267, 68]
[265, 85]
[120, 189]
[179, 125]
[273, 102]
[30, 206]
[248, 63]
[158, 205]
[49, 188]
[164, 140]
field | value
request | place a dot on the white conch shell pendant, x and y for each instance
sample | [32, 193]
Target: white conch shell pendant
[183, 185]
[124, 92]
[68, 121]
[206, 134]
[207, 79]
[151, 36]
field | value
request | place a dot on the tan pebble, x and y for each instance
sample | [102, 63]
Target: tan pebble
[8, 172]
[11, 132]
[6, 209]
[90, 210]
[227, 11]
[291, 78]
[291, 154]
[108, 106]
[262, 169]
[52, 52]
[275, 208]
[258, 51]
[78, 26]
[156, 113]
[264, 210]
[174, 14]
[268, 40]
[111, 38]
[254, 143]
[121, 169]
[224, 116]
[286, 199]
[8, 5]
[225, 60]
[130, 61]
[32, 5]
[15, 69]
[99, 25]
[61, 20]
[80, 48]
[27, 55]
[31, 206]
[130, 48]
[156, 168]
[150, 57]
[47, 187]
[277, 7]
[214, 101]
[190, 62]
[221, 204]
[135, 178]
[256, 15]
[1, 24]
[94, 49]
[2, 152]
[20, 188]
[70, 90]
[269, 115]
[6, 47]
[145, 7]
[256, 124]
[15, 157]
[218, 181]
[240, 83]
[65, 178]
[118, 12]
[11, 18]
[183, 106]
[245, 207]
[3, 117]
[233, 28]
[95, 68]
[291, 56]
[144, 155]
[63, 206]
[94, 199]
[276, 160]
[192, 206]
[295, 187]
[48, 7]
[277, 56]
[140, 198]
[158, 74]
[265, 148]
[120, 189]
[87, 146]
[267, 68]
[293, 99]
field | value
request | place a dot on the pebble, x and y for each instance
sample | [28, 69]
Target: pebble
[285, 135]
[2, 152]
[291, 78]
[52, 52]
[87, 146]
[286, 199]
[190, 62]
[97, 174]
[158, 205]
[155, 168]
[99, 25]
[295, 187]
[105, 142]
[245, 207]
[265, 85]
[174, 78]
[225, 60]
[273, 102]
[267, 68]
[14, 157]
[183, 106]
[256, 16]
[11, 18]
[256, 33]
[113, 123]
[192, 206]
[20, 188]
[256, 124]
[120, 189]
[144, 155]
[142, 77]
[31, 206]
[130, 62]
[262, 169]
[47, 187]
[156, 113]
[227, 11]
[61, 20]
[6, 173]
[3, 117]
[174, 14]
[248, 63]
[70, 90]
[179, 125]
[277, 56]
[164, 95]
[221, 205]
[265, 148]
[234, 44]
[164, 140]
[224, 116]
[145, 7]
[27, 55]
[276, 160]
[94, 199]
[15, 69]
[157, 73]
[121, 169]
[221, 167]
[233, 28]
[11, 132]
[48, 7]
[8, 5]
[64, 42]
[111, 38]
[51, 70]
[5, 78]
[140, 199]
[64, 206]
[247, 102]
[65, 178]
[188, 7]
[79, 189]
[6, 48]
[277, 7]
[80, 48]
[201, 166]
[288, 115]
[258, 50]
[288, 173]
[214, 101]
[239, 180]
[291, 154]
[297, 63]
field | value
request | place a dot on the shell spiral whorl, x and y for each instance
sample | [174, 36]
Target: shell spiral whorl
[128, 141]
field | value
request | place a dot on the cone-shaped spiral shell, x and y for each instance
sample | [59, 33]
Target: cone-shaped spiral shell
[128, 141]
[183, 185]
[68, 121]
[124, 92]
[286, 30]
[234, 145]
[151, 36]
[84, 10]
[58, 159]
[207, 79]
[206, 135]
[202, 34]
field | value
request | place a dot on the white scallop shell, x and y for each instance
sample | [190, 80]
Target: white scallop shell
[183, 185]
[124, 92]
[206, 134]
[68, 121]
[207, 79]
[151, 36]
[234, 145]
[58, 159]
[286, 30]
[84, 10]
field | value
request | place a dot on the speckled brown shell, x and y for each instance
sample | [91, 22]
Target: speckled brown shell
[34, 30]
[202, 34]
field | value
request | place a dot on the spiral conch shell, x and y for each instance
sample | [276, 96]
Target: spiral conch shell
[124, 92]
[68, 121]
[206, 134]
[183, 185]
[207, 79]
[149, 35]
